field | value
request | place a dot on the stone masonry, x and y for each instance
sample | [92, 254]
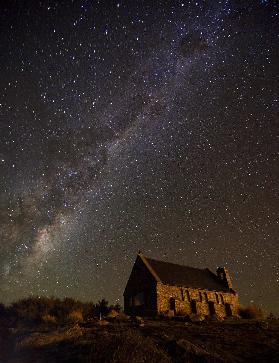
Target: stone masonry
[162, 288]
[189, 301]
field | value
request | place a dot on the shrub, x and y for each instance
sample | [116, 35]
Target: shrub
[29, 309]
[250, 312]
[116, 307]
[112, 314]
[75, 316]
[35, 310]
[49, 319]
[101, 308]
[88, 311]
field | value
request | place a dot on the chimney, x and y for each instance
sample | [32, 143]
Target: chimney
[224, 276]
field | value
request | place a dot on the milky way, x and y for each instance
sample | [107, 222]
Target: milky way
[149, 126]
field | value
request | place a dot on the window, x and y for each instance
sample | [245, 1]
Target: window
[139, 299]
[182, 294]
[172, 303]
[217, 298]
[200, 296]
[228, 309]
[194, 307]
[205, 296]
[211, 308]
[188, 295]
[222, 299]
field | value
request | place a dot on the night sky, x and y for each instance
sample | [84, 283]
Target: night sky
[130, 125]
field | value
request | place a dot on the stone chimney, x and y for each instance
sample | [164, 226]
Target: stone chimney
[224, 276]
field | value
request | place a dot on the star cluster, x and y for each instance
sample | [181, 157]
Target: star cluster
[147, 125]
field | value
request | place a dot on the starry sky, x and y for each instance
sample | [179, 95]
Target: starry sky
[130, 125]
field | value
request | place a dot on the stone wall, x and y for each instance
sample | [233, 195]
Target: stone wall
[195, 301]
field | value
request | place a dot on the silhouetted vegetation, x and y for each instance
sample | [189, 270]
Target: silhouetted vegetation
[37, 310]
[250, 312]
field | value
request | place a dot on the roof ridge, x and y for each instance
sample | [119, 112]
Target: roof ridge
[177, 264]
[150, 268]
[182, 275]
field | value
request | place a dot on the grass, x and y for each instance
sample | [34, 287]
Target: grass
[46, 331]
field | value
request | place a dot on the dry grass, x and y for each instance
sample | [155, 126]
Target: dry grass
[76, 316]
[49, 319]
[129, 346]
[113, 314]
[39, 339]
[157, 341]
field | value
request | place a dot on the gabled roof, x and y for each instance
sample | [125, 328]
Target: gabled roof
[173, 274]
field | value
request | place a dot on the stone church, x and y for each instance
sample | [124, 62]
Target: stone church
[157, 287]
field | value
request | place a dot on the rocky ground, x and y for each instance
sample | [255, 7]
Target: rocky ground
[124, 340]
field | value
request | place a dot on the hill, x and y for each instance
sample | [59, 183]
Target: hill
[119, 339]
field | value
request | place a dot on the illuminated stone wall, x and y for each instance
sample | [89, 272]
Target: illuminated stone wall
[196, 301]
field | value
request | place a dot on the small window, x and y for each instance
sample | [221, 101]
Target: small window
[222, 299]
[205, 296]
[217, 298]
[138, 299]
[200, 295]
[194, 307]
[188, 295]
[172, 303]
[182, 295]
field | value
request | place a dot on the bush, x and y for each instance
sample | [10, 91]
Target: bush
[35, 310]
[101, 308]
[29, 309]
[250, 312]
[112, 314]
[46, 310]
[75, 316]
[49, 319]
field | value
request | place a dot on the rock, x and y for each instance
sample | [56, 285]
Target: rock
[137, 320]
[183, 348]
[103, 322]
[262, 324]
[194, 318]
[113, 314]
[216, 318]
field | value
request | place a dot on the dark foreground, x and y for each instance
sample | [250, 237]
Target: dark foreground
[121, 341]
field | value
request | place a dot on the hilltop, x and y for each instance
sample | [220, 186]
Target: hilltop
[76, 338]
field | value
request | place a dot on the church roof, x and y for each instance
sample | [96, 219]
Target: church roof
[173, 274]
